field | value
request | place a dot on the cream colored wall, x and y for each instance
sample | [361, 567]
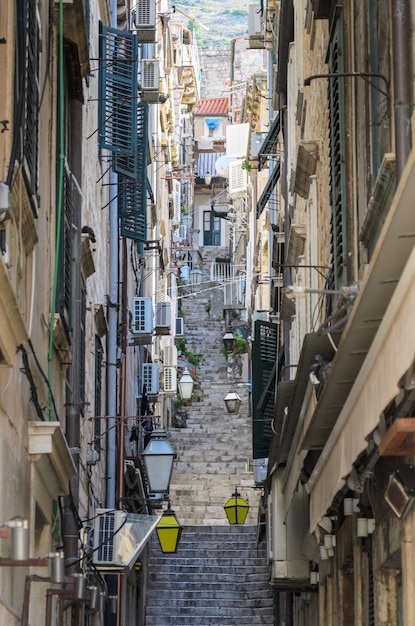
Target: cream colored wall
[307, 56]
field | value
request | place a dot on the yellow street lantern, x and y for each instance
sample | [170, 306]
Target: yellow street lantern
[236, 509]
[168, 531]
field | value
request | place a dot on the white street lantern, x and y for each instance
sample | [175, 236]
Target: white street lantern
[233, 402]
[158, 457]
[185, 385]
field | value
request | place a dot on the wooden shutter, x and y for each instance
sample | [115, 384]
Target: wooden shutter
[31, 117]
[264, 369]
[132, 195]
[338, 154]
[118, 67]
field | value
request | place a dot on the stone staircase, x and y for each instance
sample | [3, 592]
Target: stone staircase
[219, 575]
[217, 578]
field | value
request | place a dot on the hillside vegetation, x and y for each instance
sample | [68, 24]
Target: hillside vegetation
[225, 19]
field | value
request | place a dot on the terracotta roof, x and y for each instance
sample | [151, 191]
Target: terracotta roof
[213, 106]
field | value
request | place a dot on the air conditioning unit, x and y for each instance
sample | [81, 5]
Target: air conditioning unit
[163, 318]
[166, 340]
[142, 316]
[143, 20]
[107, 526]
[256, 29]
[150, 378]
[170, 381]
[170, 356]
[142, 321]
[119, 538]
[150, 78]
[254, 20]
[179, 327]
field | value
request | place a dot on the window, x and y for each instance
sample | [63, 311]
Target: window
[336, 96]
[264, 369]
[31, 100]
[211, 229]
[214, 125]
[63, 302]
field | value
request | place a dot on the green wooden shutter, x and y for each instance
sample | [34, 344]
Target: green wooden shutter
[132, 196]
[117, 110]
[134, 164]
[65, 254]
[31, 114]
[338, 154]
[264, 369]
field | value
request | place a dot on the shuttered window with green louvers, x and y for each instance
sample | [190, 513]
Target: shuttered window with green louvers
[336, 96]
[117, 110]
[264, 370]
[31, 93]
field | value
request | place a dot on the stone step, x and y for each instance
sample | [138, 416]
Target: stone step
[219, 575]
[197, 620]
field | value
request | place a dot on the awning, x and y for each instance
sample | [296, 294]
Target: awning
[376, 350]
[269, 188]
[269, 142]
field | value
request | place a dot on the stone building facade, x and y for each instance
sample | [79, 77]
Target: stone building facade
[338, 163]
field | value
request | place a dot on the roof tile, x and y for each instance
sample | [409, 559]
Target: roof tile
[213, 106]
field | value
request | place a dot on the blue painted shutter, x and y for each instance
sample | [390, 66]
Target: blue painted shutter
[132, 196]
[117, 111]
[132, 208]
[134, 164]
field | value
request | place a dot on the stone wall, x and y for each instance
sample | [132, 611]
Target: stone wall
[215, 64]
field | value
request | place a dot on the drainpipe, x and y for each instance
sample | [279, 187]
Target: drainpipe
[111, 460]
[113, 583]
[402, 72]
[123, 372]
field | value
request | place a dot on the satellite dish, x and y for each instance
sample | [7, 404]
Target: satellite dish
[222, 166]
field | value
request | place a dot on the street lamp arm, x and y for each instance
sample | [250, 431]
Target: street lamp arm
[364, 75]
[347, 292]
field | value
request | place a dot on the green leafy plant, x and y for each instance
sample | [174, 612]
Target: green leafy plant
[245, 165]
[188, 354]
